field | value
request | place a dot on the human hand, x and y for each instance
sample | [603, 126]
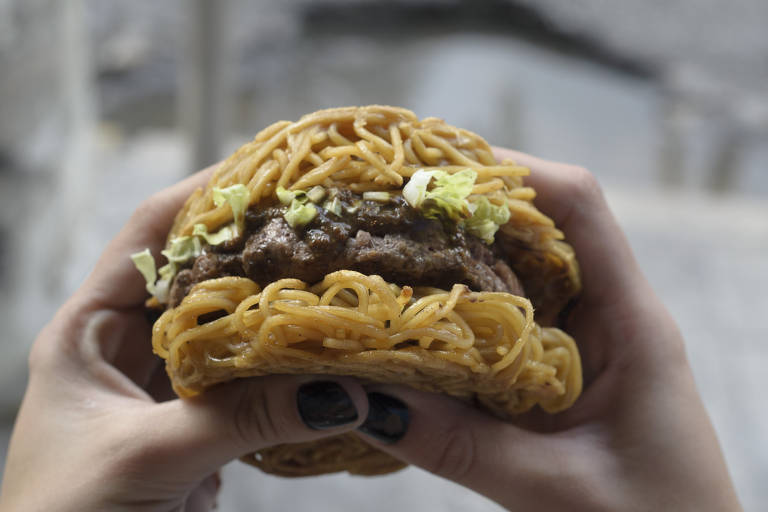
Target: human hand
[93, 432]
[637, 439]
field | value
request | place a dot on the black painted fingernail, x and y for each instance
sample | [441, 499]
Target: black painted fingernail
[387, 419]
[325, 404]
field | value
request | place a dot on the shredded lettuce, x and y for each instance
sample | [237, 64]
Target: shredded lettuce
[379, 196]
[300, 213]
[183, 249]
[223, 235]
[316, 194]
[448, 196]
[439, 194]
[180, 250]
[352, 208]
[333, 206]
[486, 218]
[415, 190]
[163, 285]
[285, 196]
[145, 264]
[158, 288]
[300, 210]
[238, 198]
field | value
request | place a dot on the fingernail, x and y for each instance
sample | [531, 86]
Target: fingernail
[387, 419]
[325, 404]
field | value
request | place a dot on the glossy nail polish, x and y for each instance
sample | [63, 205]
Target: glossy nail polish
[325, 404]
[387, 419]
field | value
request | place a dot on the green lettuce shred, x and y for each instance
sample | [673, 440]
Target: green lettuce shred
[486, 218]
[145, 264]
[180, 250]
[223, 235]
[163, 285]
[300, 210]
[439, 194]
[415, 190]
[183, 249]
[238, 198]
[285, 196]
[316, 194]
[378, 196]
[333, 206]
[300, 213]
[352, 208]
[447, 197]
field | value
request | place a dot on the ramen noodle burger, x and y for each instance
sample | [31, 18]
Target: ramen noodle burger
[363, 241]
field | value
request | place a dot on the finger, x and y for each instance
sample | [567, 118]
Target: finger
[203, 498]
[122, 339]
[616, 302]
[572, 197]
[192, 437]
[115, 282]
[158, 385]
[456, 441]
[112, 348]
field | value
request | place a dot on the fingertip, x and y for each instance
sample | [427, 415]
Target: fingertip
[325, 404]
[573, 198]
[388, 418]
[277, 409]
[416, 412]
[438, 433]
[518, 157]
[243, 416]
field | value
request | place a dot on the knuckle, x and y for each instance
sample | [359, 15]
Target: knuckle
[147, 213]
[53, 345]
[146, 209]
[456, 457]
[40, 356]
[584, 186]
[129, 456]
[256, 418]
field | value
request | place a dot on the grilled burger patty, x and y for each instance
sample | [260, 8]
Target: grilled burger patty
[389, 238]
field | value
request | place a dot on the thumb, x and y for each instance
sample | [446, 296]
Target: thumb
[455, 441]
[193, 437]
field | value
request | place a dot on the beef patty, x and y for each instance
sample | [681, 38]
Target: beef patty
[388, 239]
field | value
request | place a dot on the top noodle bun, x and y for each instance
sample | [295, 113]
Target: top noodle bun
[507, 366]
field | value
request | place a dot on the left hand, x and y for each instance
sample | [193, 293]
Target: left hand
[99, 428]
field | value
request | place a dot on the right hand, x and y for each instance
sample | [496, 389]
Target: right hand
[637, 439]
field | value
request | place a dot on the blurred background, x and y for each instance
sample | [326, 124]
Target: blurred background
[103, 102]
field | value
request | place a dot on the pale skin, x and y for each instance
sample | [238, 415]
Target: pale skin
[98, 426]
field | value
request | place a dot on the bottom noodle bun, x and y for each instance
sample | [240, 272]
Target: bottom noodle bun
[345, 452]
[482, 347]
